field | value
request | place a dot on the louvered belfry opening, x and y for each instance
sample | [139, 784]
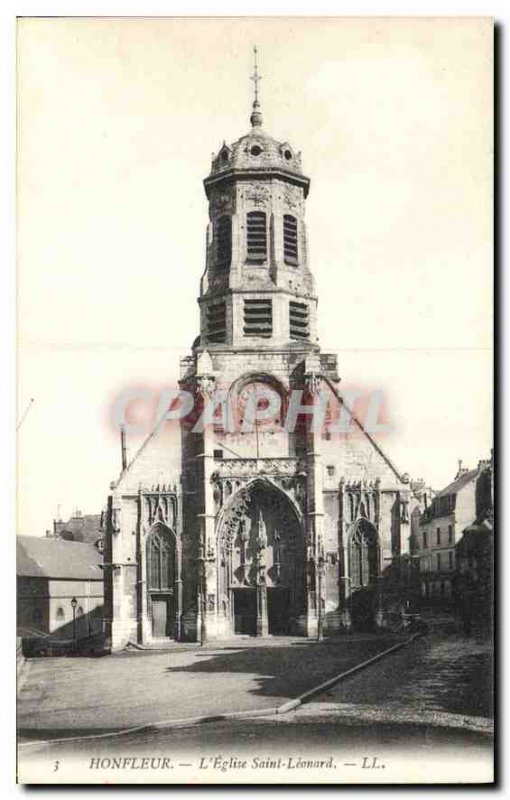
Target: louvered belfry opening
[298, 320]
[224, 243]
[216, 321]
[258, 318]
[290, 239]
[256, 237]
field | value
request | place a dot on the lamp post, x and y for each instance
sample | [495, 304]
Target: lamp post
[320, 617]
[74, 603]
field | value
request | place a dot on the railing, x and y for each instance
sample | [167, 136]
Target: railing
[226, 467]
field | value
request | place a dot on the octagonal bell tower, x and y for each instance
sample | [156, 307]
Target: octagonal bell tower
[257, 289]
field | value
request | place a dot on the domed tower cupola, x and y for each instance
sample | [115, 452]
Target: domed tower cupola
[257, 288]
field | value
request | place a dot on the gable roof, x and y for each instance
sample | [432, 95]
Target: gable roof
[458, 483]
[38, 557]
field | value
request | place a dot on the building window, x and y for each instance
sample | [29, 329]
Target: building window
[450, 559]
[424, 540]
[331, 470]
[290, 239]
[216, 322]
[160, 560]
[256, 237]
[223, 242]
[438, 560]
[218, 454]
[363, 554]
[298, 320]
[438, 536]
[450, 534]
[258, 318]
[60, 614]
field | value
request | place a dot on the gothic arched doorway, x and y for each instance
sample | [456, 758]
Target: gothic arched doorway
[160, 576]
[363, 573]
[262, 558]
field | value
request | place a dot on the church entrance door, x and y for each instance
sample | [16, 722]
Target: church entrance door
[278, 611]
[245, 611]
[262, 556]
[162, 616]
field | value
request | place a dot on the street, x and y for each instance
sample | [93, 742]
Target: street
[82, 696]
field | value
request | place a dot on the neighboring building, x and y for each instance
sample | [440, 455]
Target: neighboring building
[440, 528]
[51, 572]
[80, 527]
[474, 553]
[260, 532]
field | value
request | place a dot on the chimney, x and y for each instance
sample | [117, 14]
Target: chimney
[461, 470]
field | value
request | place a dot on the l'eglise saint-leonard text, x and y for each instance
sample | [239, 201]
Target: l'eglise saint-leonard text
[226, 764]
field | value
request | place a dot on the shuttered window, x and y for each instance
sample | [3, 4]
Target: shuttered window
[258, 318]
[223, 242]
[256, 237]
[298, 320]
[290, 239]
[216, 322]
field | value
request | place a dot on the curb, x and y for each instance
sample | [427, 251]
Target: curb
[290, 705]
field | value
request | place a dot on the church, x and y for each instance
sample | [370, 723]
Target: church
[220, 531]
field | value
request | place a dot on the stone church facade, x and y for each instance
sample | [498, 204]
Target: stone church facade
[265, 531]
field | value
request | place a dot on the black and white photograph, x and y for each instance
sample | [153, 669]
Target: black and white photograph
[256, 469]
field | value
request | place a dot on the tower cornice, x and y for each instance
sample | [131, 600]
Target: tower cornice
[232, 175]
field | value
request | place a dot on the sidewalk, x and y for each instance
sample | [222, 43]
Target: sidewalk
[83, 696]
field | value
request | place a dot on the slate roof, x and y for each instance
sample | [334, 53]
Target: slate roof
[83, 528]
[458, 483]
[38, 557]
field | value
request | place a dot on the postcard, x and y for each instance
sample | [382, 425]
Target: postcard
[256, 470]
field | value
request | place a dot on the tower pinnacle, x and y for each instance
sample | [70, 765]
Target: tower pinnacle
[256, 116]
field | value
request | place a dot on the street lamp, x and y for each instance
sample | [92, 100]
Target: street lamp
[320, 575]
[74, 603]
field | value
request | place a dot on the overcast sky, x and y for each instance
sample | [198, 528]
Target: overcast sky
[117, 123]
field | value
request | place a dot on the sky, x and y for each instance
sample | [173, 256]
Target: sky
[117, 121]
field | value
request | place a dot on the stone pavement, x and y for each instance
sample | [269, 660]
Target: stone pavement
[82, 696]
[441, 680]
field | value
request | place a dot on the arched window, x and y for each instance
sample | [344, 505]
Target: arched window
[60, 614]
[224, 242]
[160, 561]
[363, 554]
[256, 237]
[290, 239]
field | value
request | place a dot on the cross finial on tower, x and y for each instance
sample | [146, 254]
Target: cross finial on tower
[256, 77]
[256, 116]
